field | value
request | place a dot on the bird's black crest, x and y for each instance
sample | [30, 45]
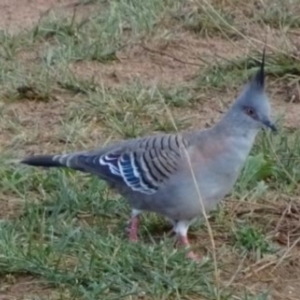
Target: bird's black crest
[259, 78]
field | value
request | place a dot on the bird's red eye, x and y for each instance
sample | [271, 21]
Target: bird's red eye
[250, 111]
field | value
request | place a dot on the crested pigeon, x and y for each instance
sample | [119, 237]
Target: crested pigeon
[164, 173]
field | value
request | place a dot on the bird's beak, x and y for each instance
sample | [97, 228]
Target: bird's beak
[270, 125]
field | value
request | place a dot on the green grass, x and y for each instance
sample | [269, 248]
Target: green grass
[207, 21]
[68, 229]
[273, 164]
[251, 239]
[281, 15]
[121, 109]
[100, 36]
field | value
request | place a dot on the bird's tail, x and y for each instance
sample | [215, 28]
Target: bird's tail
[48, 161]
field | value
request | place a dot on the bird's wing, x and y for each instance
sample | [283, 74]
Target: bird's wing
[142, 165]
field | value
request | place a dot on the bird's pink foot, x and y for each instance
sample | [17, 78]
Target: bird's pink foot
[183, 241]
[193, 256]
[133, 229]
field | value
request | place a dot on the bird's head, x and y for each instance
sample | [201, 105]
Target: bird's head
[252, 108]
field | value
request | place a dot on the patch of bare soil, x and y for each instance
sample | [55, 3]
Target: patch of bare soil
[20, 14]
[289, 112]
[285, 102]
[279, 272]
[267, 274]
[37, 127]
[10, 208]
[155, 62]
[34, 123]
[26, 287]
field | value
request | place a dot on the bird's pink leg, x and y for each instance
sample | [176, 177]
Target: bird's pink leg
[181, 229]
[134, 225]
[133, 229]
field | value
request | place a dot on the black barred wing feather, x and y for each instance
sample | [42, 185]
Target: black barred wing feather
[143, 167]
[127, 167]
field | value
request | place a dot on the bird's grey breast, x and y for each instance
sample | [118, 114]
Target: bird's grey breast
[216, 165]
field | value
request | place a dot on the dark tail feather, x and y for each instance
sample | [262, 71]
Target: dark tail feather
[42, 161]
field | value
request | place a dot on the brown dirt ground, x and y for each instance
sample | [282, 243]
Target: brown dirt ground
[153, 62]
[20, 14]
[26, 287]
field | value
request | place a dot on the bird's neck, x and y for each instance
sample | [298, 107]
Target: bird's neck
[239, 136]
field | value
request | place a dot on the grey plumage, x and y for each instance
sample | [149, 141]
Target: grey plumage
[154, 174]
